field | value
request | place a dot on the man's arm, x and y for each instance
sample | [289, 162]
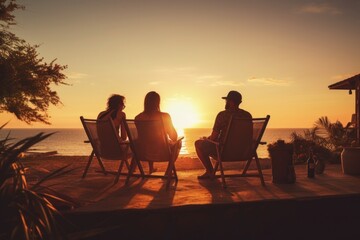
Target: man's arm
[214, 135]
[216, 129]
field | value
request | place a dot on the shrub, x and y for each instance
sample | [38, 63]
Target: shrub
[26, 212]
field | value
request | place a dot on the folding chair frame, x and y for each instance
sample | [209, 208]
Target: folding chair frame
[96, 153]
[219, 160]
[170, 172]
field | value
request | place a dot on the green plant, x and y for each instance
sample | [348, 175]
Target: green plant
[334, 135]
[326, 139]
[25, 78]
[27, 211]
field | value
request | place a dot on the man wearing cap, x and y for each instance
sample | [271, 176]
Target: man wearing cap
[205, 149]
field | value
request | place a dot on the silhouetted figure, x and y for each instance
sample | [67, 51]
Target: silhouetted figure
[205, 149]
[114, 110]
[152, 112]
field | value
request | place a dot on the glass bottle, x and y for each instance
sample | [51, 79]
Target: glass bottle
[311, 165]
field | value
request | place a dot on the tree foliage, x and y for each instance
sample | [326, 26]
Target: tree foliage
[25, 78]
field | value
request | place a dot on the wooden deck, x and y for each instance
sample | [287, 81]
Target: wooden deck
[151, 193]
[330, 203]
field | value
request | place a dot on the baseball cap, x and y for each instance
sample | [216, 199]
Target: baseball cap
[234, 96]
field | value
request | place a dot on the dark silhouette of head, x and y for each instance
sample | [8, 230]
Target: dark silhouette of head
[152, 102]
[115, 101]
[233, 99]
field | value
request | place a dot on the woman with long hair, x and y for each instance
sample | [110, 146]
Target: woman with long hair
[152, 112]
[114, 110]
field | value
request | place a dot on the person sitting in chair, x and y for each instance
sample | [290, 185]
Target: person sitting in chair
[152, 112]
[205, 149]
[114, 110]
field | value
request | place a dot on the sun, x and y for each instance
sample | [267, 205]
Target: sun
[183, 113]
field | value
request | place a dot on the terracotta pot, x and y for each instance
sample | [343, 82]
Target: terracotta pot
[350, 160]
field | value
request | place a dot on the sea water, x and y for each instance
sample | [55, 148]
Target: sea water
[70, 142]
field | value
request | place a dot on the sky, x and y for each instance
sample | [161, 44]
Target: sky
[281, 55]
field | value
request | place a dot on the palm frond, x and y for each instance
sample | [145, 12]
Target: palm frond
[28, 212]
[54, 174]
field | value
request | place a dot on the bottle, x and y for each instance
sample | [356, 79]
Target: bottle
[311, 165]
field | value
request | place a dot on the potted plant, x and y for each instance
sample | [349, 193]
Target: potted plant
[27, 211]
[350, 160]
[341, 139]
[302, 148]
[281, 155]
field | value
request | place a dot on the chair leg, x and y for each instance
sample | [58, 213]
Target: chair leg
[216, 167]
[169, 172]
[88, 164]
[259, 170]
[132, 169]
[101, 164]
[119, 171]
[127, 165]
[175, 174]
[247, 165]
[219, 162]
[222, 174]
[139, 166]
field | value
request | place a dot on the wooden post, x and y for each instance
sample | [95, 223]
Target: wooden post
[357, 111]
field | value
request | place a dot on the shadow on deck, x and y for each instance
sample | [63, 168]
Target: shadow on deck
[327, 207]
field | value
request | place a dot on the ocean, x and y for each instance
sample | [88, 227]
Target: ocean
[70, 142]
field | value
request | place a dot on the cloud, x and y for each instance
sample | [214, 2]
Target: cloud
[209, 77]
[320, 8]
[269, 81]
[154, 83]
[226, 83]
[77, 75]
[174, 70]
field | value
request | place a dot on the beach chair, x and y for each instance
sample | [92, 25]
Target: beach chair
[150, 143]
[240, 143]
[106, 145]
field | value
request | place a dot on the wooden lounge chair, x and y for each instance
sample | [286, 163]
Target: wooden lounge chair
[150, 143]
[106, 144]
[240, 143]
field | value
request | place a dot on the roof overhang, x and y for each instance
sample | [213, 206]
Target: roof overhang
[347, 84]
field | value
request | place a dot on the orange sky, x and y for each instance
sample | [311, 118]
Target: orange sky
[281, 55]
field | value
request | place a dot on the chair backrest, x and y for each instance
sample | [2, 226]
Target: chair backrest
[148, 140]
[242, 138]
[104, 138]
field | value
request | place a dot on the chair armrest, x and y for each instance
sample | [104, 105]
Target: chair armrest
[177, 140]
[209, 140]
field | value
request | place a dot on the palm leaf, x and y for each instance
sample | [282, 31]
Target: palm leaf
[35, 213]
[54, 174]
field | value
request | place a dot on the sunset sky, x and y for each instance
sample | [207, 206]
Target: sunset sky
[280, 54]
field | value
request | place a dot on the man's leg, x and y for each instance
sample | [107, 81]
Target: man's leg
[204, 149]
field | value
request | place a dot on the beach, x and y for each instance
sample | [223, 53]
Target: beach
[105, 209]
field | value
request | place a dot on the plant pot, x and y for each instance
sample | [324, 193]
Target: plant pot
[350, 160]
[319, 167]
[282, 167]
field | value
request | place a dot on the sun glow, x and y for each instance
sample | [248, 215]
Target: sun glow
[183, 113]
